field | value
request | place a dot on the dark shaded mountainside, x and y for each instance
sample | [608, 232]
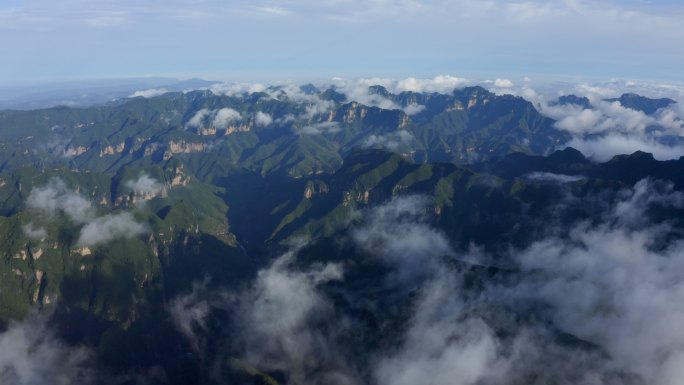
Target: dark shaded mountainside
[632, 101]
[626, 168]
[113, 296]
[210, 202]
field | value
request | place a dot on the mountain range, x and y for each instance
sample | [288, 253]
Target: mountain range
[147, 230]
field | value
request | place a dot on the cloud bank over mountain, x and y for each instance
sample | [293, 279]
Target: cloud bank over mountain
[31, 354]
[450, 257]
[585, 303]
[602, 129]
[56, 198]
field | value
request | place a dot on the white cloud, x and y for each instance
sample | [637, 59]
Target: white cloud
[149, 93]
[392, 141]
[357, 91]
[263, 119]
[608, 129]
[278, 316]
[313, 104]
[466, 323]
[221, 118]
[581, 121]
[289, 118]
[237, 89]
[605, 147]
[318, 107]
[30, 354]
[278, 11]
[397, 233]
[319, 128]
[144, 185]
[34, 232]
[442, 84]
[448, 337]
[554, 178]
[413, 109]
[189, 312]
[225, 117]
[503, 83]
[609, 285]
[597, 92]
[440, 347]
[108, 228]
[107, 19]
[198, 119]
[604, 282]
[55, 197]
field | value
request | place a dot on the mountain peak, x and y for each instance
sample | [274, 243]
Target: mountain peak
[332, 95]
[637, 156]
[568, 154]
[309, 89]
[572, 100]
[474, 90]
[641, 103]
[378, 90]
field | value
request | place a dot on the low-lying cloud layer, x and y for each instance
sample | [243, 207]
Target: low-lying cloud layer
[608, 128]
[279, 317]
[221, 118]
[591, 304]
[393, 142]
[56, 198]
[601, 131]
[34, 232]
[612, 285]
[607, 284]
[150, 93]
[397, 233]
[108, 228]
[263, 119]
[145, 184]
[31, 355]
[319, 128]
[553, 178]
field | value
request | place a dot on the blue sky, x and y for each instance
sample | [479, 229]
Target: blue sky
[315, 39]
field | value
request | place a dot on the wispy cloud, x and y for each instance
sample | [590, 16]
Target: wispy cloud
[263, 119]
[221, 118]
[144, 185]
[56, 198]
[607, 284]
[319, 128]
[31, 354]
[149, 93]
[606, 129]
[394, 141]
[271, 10]
[107, 19]
[588, 303]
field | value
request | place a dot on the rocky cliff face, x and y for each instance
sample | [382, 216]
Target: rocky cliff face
[75, 151]
[113, 149]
